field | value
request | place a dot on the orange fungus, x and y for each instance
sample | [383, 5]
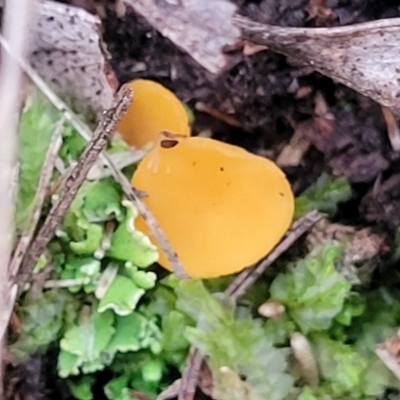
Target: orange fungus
[221, 207]
[154, 109]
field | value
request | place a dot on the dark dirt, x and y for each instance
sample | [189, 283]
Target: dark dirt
[270, 97]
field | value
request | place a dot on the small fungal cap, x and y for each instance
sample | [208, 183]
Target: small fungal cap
[221, 207]
[154, 109]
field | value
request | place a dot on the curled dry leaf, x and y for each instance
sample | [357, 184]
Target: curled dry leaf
[68, 52]
[364, 57]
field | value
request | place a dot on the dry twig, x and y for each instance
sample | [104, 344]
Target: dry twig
[190, 375]
[246, 279]
[217, 114]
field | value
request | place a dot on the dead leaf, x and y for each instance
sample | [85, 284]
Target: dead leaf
[363, 57]
[317, 131]
[68, 52]
[293, 152]
[201, 28]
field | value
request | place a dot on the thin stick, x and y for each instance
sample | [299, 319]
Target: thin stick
[246, 279]
[44, 181]
[217, 114]
[130, 192]
[62, 283]
[190, 375]
[75, 179]
[17, 19]
[237, 289]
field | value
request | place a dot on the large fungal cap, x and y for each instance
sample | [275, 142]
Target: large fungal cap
[154, 109]
[221, 208]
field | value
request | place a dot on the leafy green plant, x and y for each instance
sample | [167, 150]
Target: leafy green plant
[322, 305]
[313, 292]
[43, 319]
[36, 128]
[99, 261]
[235, 347]
[323, 196]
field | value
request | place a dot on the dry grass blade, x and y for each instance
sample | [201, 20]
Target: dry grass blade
[237, 289]
[16, 24]
[363, 57]
[190, 375]
[171, 391]
[44, 181]
[75, 179]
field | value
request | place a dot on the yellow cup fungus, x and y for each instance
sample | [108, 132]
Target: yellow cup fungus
[221, 207]
[154, 109]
